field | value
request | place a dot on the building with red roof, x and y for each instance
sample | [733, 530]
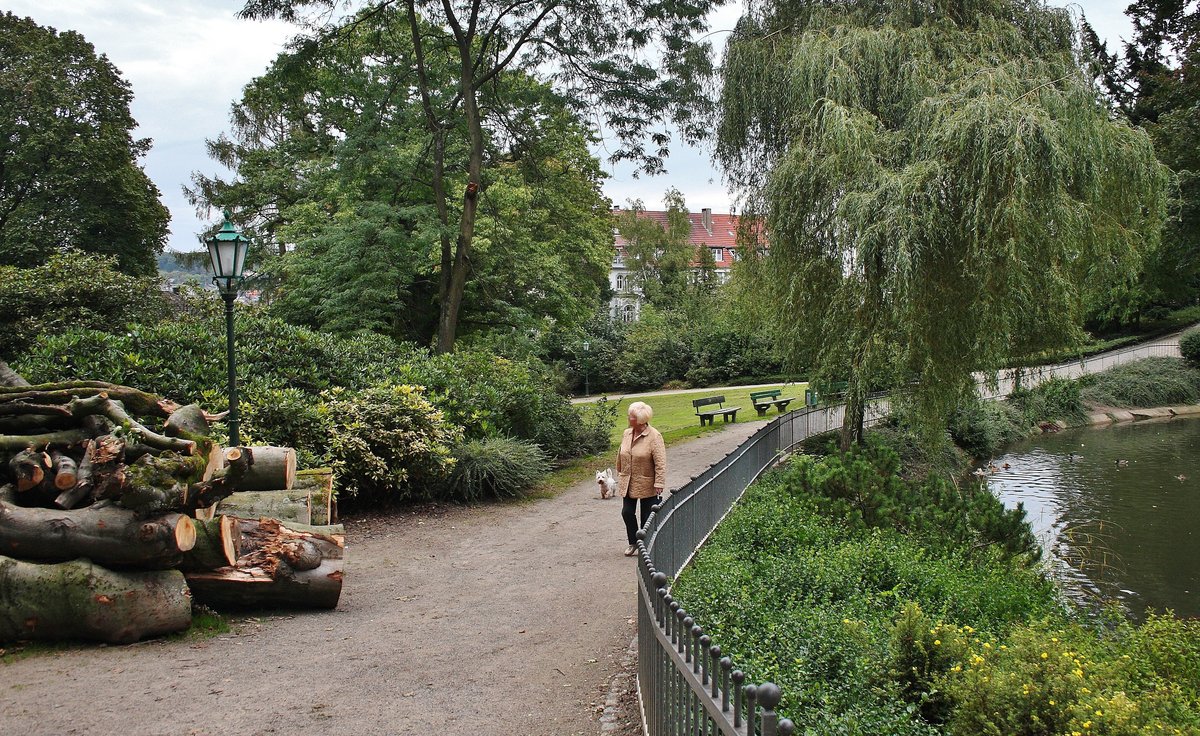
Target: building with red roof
[714, 231]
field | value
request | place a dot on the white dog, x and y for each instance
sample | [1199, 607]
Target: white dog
[607, 483]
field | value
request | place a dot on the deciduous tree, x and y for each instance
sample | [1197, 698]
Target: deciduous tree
[941, 186]
[338, 175]
[69, 172]
[613, 57]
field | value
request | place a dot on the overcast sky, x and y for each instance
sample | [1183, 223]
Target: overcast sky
[188, 60]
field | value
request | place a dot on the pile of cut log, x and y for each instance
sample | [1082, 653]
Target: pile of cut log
[107, 523]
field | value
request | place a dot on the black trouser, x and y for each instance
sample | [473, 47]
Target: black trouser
[631, 523]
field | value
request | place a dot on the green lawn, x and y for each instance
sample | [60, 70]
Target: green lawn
[676, 418]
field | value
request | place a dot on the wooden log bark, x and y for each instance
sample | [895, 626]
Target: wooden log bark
[116, 413]
[81, 600]
[271, 469]
[10, 378]
[29, 468]
[337, 531]
[223, 481]
[157, 483]
[319, 484]
[104, 533]
[138, 402]
[218, 543]
[66, 470]
[84, 481]
[189, 422]
[61, 439]
[288, 506]
[279, 567]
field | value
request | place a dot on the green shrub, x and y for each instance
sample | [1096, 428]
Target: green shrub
[920, 651]
[1065, 679]
[495, 467]
[1145, 383]
[815, 603]
[863, 488]
[1057, 398]
[983, 428]
[1189, 346]
[387, 444]
[490, 396]
[287, 417]
[72, 290]
[881, 630]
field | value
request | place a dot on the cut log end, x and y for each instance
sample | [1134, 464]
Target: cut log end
[185, 533]
[231, 535]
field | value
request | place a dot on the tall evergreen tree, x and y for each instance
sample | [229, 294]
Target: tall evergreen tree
[941, 187]
[69, 172]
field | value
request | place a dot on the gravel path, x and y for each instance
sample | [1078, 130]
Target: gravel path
[510, 619]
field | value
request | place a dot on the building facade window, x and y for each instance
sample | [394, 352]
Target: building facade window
[622, 282]
[628, 313]
[716, 254]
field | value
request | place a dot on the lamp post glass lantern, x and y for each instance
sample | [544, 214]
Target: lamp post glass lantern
[227, 255]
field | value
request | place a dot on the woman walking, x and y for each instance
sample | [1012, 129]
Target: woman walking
[641, 470]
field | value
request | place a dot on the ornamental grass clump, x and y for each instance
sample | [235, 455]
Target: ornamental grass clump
[496, 467]
[1148, 382]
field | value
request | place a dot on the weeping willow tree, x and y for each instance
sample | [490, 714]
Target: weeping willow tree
[940, 186]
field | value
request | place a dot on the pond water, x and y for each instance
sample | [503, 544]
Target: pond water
[1117, 510]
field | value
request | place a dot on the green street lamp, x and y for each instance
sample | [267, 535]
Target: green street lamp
[586, 365]
[227, 255]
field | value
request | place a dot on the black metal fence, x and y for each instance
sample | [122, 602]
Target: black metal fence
[687, 685]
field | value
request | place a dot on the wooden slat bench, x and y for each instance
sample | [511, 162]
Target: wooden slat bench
[764, 400]
[707, 416]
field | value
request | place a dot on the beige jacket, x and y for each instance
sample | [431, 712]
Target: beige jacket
[642, 464]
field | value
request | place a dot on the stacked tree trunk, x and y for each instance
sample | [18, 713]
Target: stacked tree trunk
[100, 489]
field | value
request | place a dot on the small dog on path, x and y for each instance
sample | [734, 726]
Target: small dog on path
[607, 483]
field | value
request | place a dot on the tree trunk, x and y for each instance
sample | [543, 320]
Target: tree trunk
[65, 438]
[852, 423]
[452, 295]
[271, 469]
[218, 543]
[158, 483]
[105, 534]
[279, 566]
[81, 600]
[222, 481]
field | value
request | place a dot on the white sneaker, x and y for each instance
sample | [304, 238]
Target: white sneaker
[630, 551]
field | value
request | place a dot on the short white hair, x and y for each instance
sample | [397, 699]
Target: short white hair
[641, 411]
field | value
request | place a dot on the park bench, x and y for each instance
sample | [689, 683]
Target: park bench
[764, 400]
[707, 416]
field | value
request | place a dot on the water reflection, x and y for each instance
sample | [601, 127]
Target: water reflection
[1116, 508]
